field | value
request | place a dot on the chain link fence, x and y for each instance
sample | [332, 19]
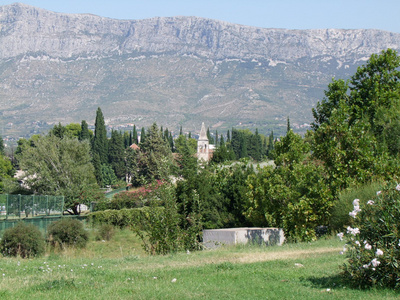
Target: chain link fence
[30, 206]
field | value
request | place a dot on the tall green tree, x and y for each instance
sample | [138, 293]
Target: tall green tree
[100, 141]
[59, 166]
[59, 131]
[135, 135]
[73, 129]
[1, 146]
[357, 124]
[153, 160]
[6, 173]
[116, 154]
[142, 135]
[84, 134]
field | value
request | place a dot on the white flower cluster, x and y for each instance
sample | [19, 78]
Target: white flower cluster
[356, 208]
[353, 231]
[375, 262]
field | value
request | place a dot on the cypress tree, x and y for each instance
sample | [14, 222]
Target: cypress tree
[97, 169]
[116, 154]
[166, 134]
[171, 142]
[257, 146]
[228, 137]
[210, 138]
[221, 141]
[84, 134]
[142, 135]
[134, 136]
[270, 145]
[100, 142]
[180, 131]
[216, 138]
[1, 145]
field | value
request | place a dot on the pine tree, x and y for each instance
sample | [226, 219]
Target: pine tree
[100, 142]
[157, 158]
[58, 131]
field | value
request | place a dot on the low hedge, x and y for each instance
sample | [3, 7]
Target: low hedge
[121, 218]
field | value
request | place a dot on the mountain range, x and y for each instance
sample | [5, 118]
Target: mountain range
[176, 71]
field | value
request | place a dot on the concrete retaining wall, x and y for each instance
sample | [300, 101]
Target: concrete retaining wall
[231, 236]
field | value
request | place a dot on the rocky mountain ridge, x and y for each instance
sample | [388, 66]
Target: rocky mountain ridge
[27, 29]
[60, 67]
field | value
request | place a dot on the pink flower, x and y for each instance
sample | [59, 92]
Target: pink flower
[368, 246]
[379, 252]
[370, 202]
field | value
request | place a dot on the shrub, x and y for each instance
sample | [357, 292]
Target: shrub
[24, 240]
[373, 241]
[105, 232]
[67, 232]
[340, 218]
[165, 231]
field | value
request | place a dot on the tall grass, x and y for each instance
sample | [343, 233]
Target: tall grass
[119, 269]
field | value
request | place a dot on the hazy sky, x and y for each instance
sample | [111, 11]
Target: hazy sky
[291, 14]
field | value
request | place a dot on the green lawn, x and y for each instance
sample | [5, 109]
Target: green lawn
[119, 269]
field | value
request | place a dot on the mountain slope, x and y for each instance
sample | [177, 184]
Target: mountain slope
[177, 71]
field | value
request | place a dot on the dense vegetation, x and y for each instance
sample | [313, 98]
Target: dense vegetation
[354, 144]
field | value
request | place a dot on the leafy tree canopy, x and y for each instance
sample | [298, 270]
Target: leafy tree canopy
[55, 166]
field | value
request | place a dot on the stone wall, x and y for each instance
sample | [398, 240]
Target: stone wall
[213, 238]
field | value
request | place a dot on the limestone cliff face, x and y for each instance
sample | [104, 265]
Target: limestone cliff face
[26, 29]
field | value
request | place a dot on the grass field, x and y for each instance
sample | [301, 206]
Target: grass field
[119, 269]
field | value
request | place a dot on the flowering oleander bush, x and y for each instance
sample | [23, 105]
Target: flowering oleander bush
[373, 241]
[139, 197]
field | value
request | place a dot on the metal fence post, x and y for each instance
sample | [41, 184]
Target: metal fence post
[7, 207]
[33, 203]
[19, 206]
